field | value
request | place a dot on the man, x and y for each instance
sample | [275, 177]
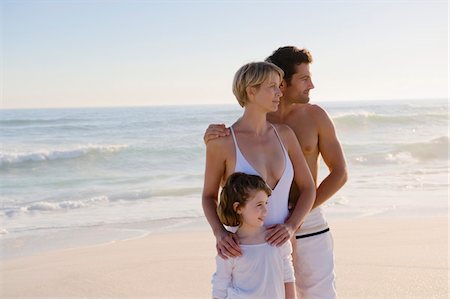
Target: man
[313, 245]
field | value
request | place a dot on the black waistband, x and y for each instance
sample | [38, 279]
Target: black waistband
[313, 234]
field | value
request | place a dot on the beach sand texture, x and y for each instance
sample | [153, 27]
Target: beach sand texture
[375, 258]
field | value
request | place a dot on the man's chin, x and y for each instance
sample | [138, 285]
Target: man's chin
[303, 101]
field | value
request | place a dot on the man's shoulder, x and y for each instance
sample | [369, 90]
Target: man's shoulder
[316, 112]
[309, 113]
[315, 108]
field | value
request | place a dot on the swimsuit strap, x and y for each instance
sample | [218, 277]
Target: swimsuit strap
[234, 136]
[236, 146]
[279, 139]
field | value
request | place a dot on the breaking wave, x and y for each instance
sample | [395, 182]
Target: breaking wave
[13, 158]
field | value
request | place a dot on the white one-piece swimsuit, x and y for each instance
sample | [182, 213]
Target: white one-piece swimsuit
[278, 202]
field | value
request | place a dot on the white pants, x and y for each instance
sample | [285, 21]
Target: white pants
[314, 267]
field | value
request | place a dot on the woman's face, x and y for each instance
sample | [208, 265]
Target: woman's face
[269, 93]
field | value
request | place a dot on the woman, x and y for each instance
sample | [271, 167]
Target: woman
[258, 147]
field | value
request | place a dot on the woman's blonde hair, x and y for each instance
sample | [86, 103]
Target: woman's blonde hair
[252, 74]
[239, 187]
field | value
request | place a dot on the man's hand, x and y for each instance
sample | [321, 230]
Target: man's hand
[215, 131]
[227, 245]
[278, 234]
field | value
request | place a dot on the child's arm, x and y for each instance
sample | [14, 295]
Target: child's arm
[289, 289]
[221, 280]
[288, 269]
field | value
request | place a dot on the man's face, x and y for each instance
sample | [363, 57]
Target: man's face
[297, 91]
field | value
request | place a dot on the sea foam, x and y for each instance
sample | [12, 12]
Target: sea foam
[12, 158]
[373, 118]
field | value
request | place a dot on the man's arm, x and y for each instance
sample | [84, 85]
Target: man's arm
[333, 156]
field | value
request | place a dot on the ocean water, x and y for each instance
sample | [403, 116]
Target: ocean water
[102, 174]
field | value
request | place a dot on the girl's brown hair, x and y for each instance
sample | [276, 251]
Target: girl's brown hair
[238, 188]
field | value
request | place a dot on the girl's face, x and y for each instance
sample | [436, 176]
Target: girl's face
[254, 211]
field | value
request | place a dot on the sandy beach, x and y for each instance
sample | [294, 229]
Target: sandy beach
[375, 258]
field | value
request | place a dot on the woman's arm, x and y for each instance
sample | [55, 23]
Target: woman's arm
[226, 242]
[280, 233]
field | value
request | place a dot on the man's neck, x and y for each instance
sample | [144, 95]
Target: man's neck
[284, 109]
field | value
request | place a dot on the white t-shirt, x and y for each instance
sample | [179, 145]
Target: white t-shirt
[260, 272]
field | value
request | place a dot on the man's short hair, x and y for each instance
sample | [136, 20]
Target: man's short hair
[252, 74]
[287, 58]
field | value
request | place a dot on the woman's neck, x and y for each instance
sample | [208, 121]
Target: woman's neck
[253, 121]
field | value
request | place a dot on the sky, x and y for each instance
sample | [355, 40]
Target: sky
[140, 53]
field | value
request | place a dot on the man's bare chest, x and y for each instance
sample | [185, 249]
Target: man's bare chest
[307, 136]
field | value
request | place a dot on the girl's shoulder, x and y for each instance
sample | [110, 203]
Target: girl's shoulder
[258, 239]
[286, 249]
[225, 264]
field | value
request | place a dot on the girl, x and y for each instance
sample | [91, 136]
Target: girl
[263, 271]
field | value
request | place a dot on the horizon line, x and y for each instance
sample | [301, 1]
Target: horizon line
[216, 104]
